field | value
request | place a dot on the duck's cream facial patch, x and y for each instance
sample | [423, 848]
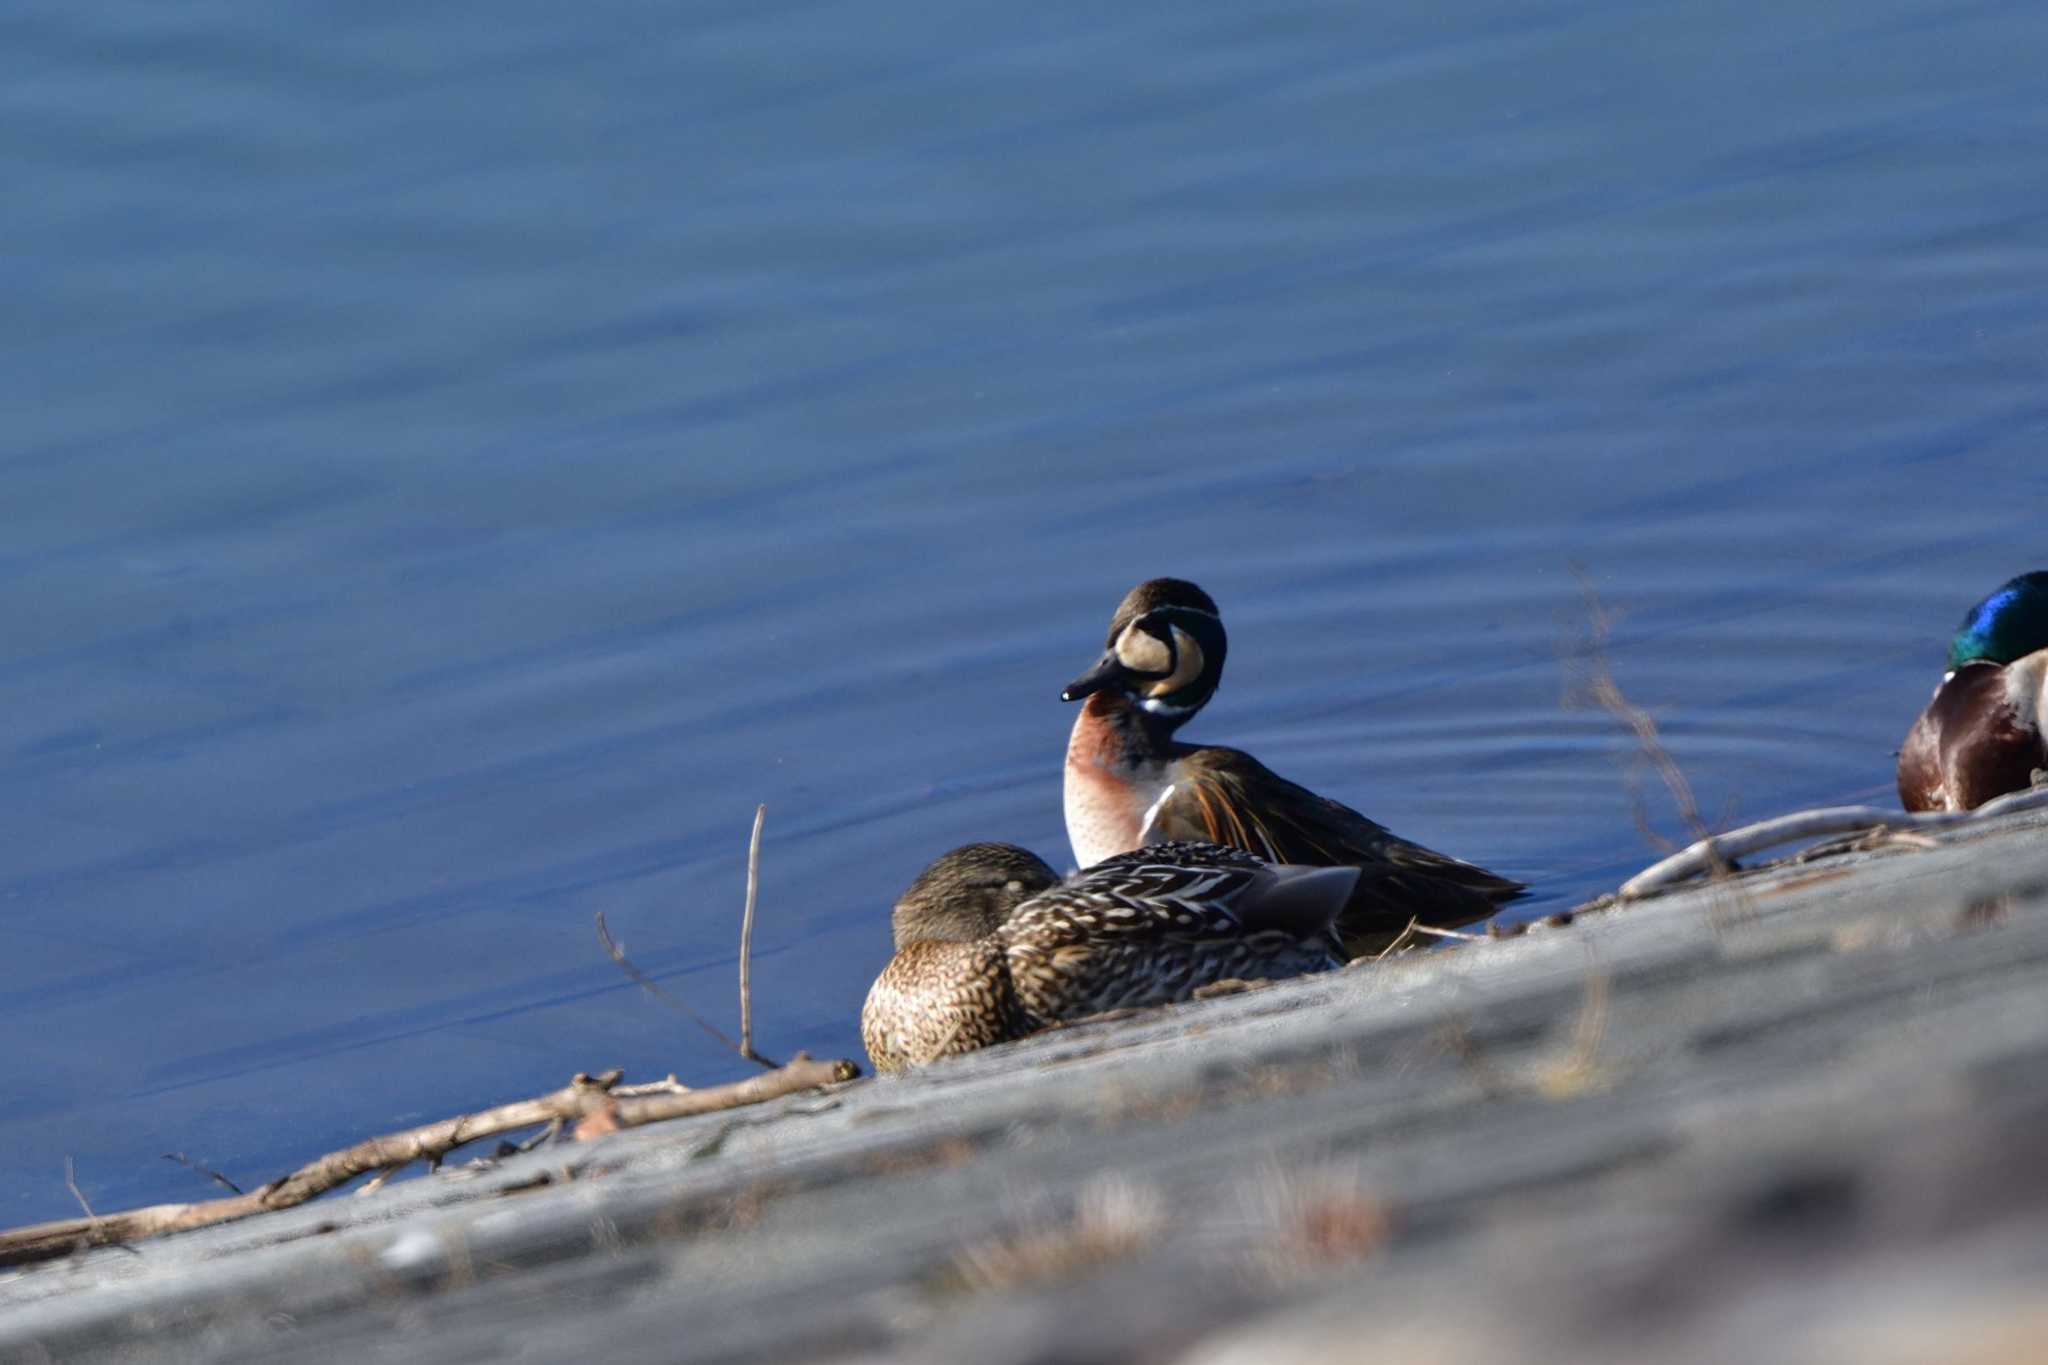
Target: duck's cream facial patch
[1143, 652]
[1187, 666]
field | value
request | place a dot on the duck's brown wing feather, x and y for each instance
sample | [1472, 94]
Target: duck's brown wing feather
[1228, 797]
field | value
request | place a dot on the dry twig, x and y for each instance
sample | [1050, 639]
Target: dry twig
[1809, 824]
[1714, 854]
[1401, 940]
[71, 1184]
[582, 1098]
[1717, 860]
[747, 940]
[595, 1104]
[1606, 693]
[745, 1046]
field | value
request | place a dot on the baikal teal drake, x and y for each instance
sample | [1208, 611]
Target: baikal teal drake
[1982, 734]
[991, 945]
[1129, 782]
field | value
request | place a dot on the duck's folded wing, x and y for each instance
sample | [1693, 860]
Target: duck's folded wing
[1228, 797]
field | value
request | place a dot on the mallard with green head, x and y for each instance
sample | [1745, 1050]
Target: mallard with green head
[991, 945]
[1129, 782]
[1982, 734]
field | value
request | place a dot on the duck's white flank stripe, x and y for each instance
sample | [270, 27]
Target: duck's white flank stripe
[1151, 814]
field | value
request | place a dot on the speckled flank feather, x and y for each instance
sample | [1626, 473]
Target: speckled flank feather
[1151, 926]
[936, 1000]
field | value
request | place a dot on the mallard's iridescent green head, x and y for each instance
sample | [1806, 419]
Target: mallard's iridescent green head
[2008, 625]
[968, 893]
[1164, 652]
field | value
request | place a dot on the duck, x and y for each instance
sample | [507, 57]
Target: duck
[992, 945]
[1981, 735]
[1130, 782]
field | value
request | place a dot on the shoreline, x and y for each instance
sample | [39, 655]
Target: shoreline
[1687, 1124]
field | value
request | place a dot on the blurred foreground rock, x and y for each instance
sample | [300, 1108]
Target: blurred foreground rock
[1803, 1117]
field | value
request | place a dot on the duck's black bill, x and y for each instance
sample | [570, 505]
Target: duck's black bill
[1094, 680]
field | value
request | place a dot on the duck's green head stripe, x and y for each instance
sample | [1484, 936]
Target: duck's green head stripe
[2009, 624]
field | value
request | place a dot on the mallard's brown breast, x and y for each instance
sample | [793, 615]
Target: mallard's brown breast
[1107, 789]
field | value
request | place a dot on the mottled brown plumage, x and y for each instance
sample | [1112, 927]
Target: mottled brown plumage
[1129, 782]
[1146, 928]
[968, 893]
[947, 990]
[938, 999]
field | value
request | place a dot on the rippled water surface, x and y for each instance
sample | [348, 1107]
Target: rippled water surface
[459, 460]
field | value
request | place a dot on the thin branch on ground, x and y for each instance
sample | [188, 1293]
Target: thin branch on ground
[747, 941]
[378, 1181]
[1401, 940]
[584, 1099]
[745, 1046]
[92, 1220]
[1810, 824]
[1713, 855]
[547, 1134]
[595, 1104]
[1605, 691]
[801, 1072]
[71, 1184]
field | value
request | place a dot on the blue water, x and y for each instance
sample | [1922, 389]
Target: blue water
[460, 459]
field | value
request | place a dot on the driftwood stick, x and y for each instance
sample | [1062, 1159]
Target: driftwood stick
[582, 1097]
[801, 1072]
[1716, 850]
[747, 941]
